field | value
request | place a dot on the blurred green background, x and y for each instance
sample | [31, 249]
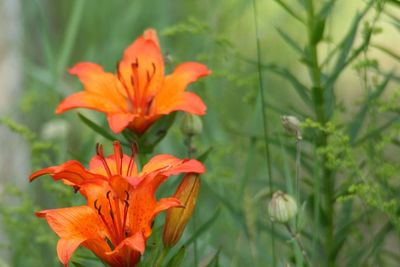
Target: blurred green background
[44, 38]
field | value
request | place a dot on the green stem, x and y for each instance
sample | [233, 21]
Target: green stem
[300, 244]
[265, 123]
[322, 140]
[189, 149]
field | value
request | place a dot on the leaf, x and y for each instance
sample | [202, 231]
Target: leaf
[290, 41]
[77, 264]
[300, 88]
[214, 262]
[95, 127]
[318, 31]
[156, 133]
[204, 227]
[359, 119]
[346, 46]
[203, 157]
[289, 10]
[178, 258]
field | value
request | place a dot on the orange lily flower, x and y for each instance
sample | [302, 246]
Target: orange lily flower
[139, 93]
[121, 205]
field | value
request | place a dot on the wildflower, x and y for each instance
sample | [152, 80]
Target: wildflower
[139, 93]
[121, 206]
[282, 207]
[176, 219]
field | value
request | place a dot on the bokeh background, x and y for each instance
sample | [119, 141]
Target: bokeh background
[41, 39]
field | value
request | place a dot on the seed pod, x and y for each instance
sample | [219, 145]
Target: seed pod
[191, 125]
[291, 125]
[282, 207]
[177, 218]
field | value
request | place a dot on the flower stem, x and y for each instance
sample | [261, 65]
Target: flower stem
[265, 123]
[189, 149]
[299, 243]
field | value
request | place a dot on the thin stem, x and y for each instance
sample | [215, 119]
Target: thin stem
[189, 149]
[300, 244]
[298, 162]
[265, 123]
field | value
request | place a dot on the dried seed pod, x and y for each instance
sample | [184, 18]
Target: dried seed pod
[292, 126]
[282, 207]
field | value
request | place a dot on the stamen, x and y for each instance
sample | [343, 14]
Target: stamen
[134, 149]
[135, 82]
[126, 201]
[118, 154]
[100, 153]
[98, 208]
[122, 80]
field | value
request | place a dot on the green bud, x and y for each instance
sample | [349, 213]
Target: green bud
[282, 207]
[191, 125]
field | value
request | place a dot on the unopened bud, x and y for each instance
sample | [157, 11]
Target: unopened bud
[292, 126]
[282, 207]
[177, 218]
[191, 124]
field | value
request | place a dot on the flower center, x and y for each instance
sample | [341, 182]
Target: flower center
[113, 221]
[140, 102]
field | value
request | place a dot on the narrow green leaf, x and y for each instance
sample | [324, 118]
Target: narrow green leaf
[203, 157]
[300, 88]
[346, 46]
[214, 262]
[204, 227]
[387, 51]
[156, 132]
[290, 11]
[326, 9]
[178, 258]
[97, 128]
[77, 264]
[70, 35]
[318, 31]
[359, 119]
[377, 131]
[290, 41]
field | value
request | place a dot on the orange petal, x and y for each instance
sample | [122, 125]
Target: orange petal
[135, 242]
[81, 222]
[89, 101]
[170, 165]
[151, 34]
[191, 103]
[166, 203]
[119, 121]
[159, 168]
[145, 54]
[72, 172]
[171, 95]
[65, 249]
[74, 226]
[102, 90]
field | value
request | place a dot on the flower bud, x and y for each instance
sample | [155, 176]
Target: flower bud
[282, 207]
[292, 126]
[191, 124]
[177, 218]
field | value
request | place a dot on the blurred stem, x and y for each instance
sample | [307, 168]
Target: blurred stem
[188, 142]
[265, 123]
[161, 257]
[299, 243]
[298, 162]
[322, 140]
